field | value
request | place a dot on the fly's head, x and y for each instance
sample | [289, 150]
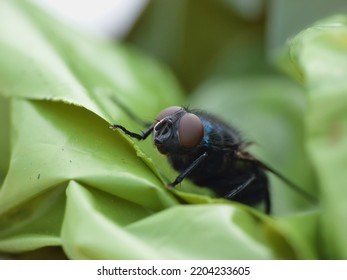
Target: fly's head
[177, 130]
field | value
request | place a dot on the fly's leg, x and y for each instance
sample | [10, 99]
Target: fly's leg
[188, 170]
[138, 136]
[239, 188]
[230, 195]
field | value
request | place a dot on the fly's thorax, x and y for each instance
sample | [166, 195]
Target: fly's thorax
[176, 130]
[219, 136]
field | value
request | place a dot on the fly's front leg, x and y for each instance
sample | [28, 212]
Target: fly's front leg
[138, 136]
[188, 170]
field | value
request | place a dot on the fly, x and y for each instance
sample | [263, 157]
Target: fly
[210, 153]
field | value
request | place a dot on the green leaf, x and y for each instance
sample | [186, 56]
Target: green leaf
[55, 64]
[4, 139]
[181, 232]
[33, 224]
[320, 57]
[287, 18]
[55, 142]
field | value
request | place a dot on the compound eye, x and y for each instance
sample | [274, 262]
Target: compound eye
[167, 112]
[191, 131]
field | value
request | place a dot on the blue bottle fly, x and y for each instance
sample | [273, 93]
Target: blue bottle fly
[211, 153]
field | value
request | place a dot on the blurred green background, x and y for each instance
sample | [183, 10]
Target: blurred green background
[201, 40]
[71, 188]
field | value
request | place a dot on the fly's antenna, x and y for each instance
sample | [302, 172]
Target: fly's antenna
[246, 156]
[130, 114]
